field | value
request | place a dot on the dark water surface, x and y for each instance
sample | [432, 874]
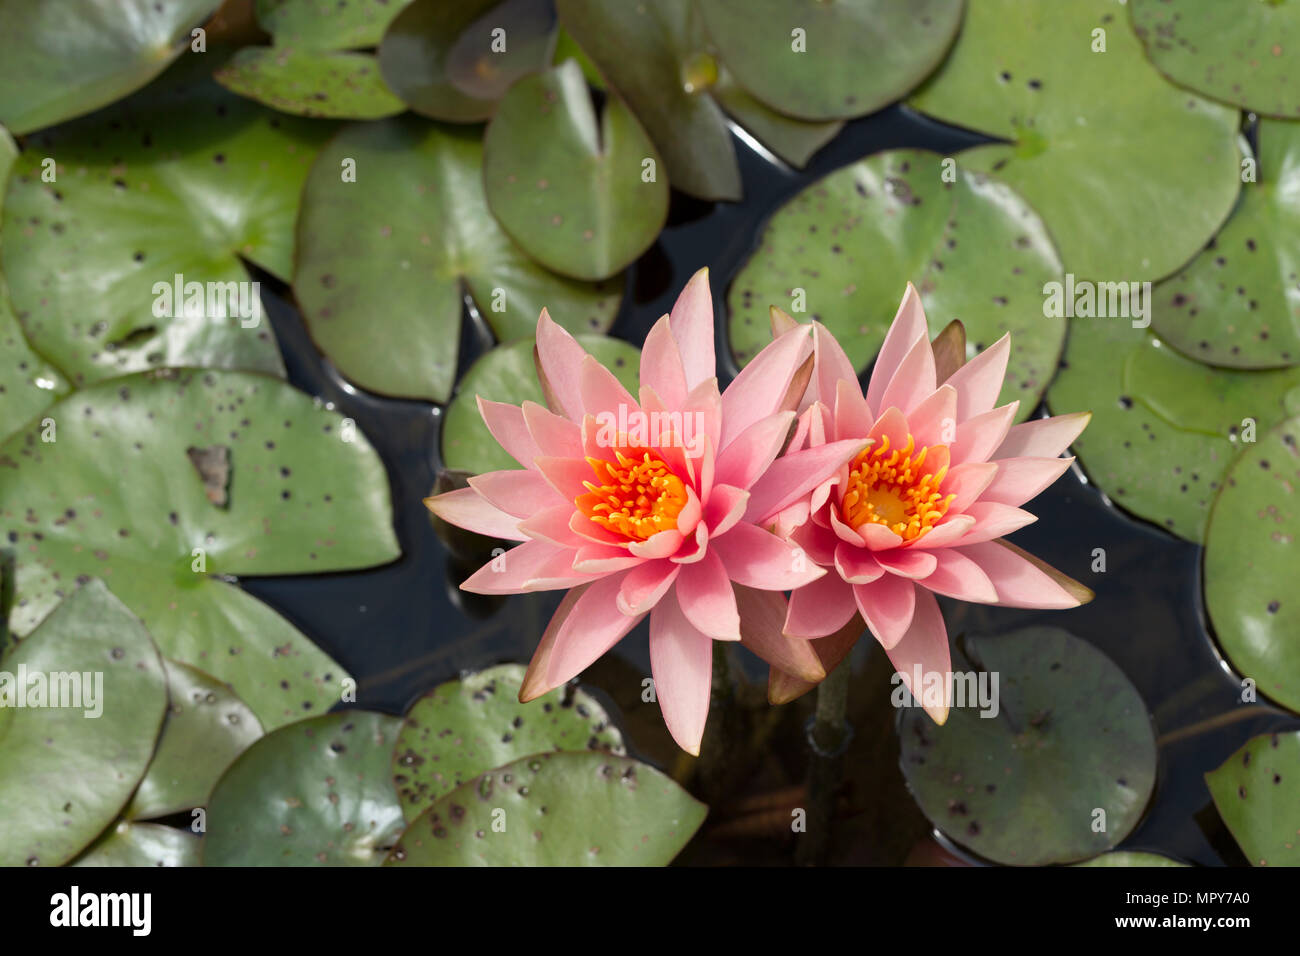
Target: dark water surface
[403, 628]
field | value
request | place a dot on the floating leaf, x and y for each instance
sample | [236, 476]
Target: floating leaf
[307, 493]
[384, 262]
[207, 727]
[66, 771]
[823, 61]
[1131, 174]
[60, 60]
[1023, 786]
[454, 61]
[1130, 858]
[142, 844]
[1163, 427]
[1238, 302]
[1257, 792]
[328, 24]
[184, 179]
[467, 727]
[508, 374]
[842, 249]
[792, 140]
[556, 809]
[317, 792]
[1252, 563]
[572, 193]
[336, 84]
[1238, 51]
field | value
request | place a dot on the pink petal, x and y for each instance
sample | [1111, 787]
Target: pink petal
[978, 438]
[891, 424]
[879, 538]
[760, 388]
[820, 608]
[762, 617]
[645, 585]
[507, 425]
[531, 566]
[726, 507]
[857, 565]
[692, 326]
[908, 326]
[466, 508]
[681, 660]
[566, 477]
[831, 366]
[968, 482]
[818, 542]
[908, 562]
[754, 449]
[887, 605]
[602, 391]
[758, 559]
[853, 418]
[913, 380]
[851, 535]
[534, 684]
[957, 576]
[1043, 437]
[556, 437]
[584, 628]
[793, 476]
[934, 420]
[661, 365]
[694, 547]
[520, 493]
[584, 528]
[554, 524]
[951, 529]
[559, 360]
[1020, 479]
[661, 545]
[925, 645]
[1023, 580]
[993, 520]
[705, 595]
[603, 559]
[979, 381]
[783, 687]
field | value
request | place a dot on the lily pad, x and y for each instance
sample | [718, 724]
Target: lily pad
[1238, 303]
[182, 180]
[1252, 563]
[305, 492]
[467, 727]
[1131, 174]
[1061, 772]
[385, 262]
[840, 250]
[207, 727]
[508, 374]
[823, 61]
[792, 140]
[317, 792]
[1242, 52]
[1257, 792]
[1130, 858]
[333, 84]
[454, 61]
[60, 60]
[142, 844]
[1164, 428]
[571, 192]
[556, 809]
[66, 771]
[328, 24]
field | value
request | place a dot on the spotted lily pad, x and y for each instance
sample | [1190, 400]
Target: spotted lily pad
[1257, 792]
[66, 771]
[1164, 428]
[1131, 174]
[1061, 772]
[820, 61]
[305, 493]
[385, 261]
[60, 60]
[570, 191]
[508, 374]
[1238, 302]
[454, 61]
[467, 727]
[328, 24]
[1252, 563]
[556, 809]
[207, 727]
[1242, 52]
[1130, 858]
[142, 844]
[175, 185]
[841, 250]
[334, 84]
[313, 793]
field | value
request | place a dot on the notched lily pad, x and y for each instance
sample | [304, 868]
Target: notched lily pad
[142, 844]
[1257, 792]
[333, 84]
[467, 727]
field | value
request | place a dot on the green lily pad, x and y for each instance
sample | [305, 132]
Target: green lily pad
[290, 488]
[1131, 174]
[1071, 737]
[328, 24]
[142, 844]
[454, 61]
[844, 247]
[556, 809]
[183, 179]
[414, 233]
[792, 140]
[207, 727]
[508, 374]
[1164, 428]
[571, 192]
[824, 61]
[1238, 303]
[1252, 563]
[1130, 858]
[1257, 792]
[313, 793]
[60, 60]
[1242, 52]
[67, 771]
[335, 84]
[467, 727]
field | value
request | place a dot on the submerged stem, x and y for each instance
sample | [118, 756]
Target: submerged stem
[828, 737]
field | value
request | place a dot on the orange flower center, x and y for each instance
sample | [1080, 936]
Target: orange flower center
[637, 496]
[894, 488]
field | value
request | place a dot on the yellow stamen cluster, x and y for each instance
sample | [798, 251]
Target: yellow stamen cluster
[636, 497]
[892, 487]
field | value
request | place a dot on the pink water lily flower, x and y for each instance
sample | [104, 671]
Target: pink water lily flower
[922, 510]
[653, 505]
